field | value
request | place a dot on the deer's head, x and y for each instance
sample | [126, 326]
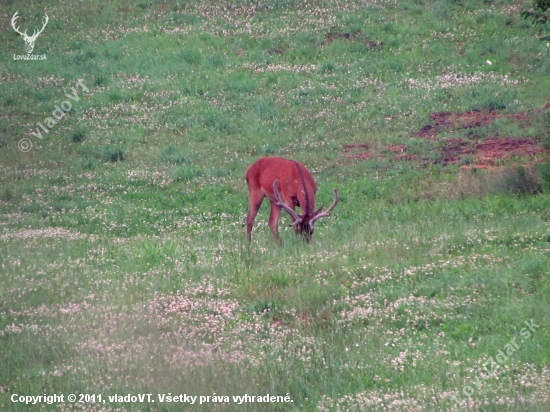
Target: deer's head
[29, 40]
[303, 225]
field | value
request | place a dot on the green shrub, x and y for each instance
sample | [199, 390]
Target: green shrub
[522, 182]
[539, 14]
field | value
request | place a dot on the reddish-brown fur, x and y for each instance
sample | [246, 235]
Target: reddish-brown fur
[296, 186]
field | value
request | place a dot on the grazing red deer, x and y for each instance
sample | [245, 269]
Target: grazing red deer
[287, 184]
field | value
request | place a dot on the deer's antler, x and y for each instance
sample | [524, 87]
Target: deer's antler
[326, 212]
[291, 212]
[15, 17]
[46, 19]
[35, 33]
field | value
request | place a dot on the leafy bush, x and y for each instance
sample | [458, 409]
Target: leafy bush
[474, 182]
[522, 182]
[539, 14]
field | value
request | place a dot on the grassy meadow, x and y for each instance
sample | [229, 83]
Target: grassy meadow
[124, 266]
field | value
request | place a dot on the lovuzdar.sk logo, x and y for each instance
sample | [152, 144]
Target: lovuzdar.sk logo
[29, 40]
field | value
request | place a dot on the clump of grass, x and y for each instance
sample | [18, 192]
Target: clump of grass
[372, 191]
[153, 253]
[115, 96]
[191, 55]
[409, 277]
[184, 173]
[100, 81]
[544, 172]
[115, 154]
[90, 164]
[6, 195]
[270, 149]
[218, 122]
[491, 103]
[78, 136]
[174, 156]
[216, 60]
[265, 108]
[328, 67]
[241, 82]
[543, 129]
[474, 182]
[523, 182]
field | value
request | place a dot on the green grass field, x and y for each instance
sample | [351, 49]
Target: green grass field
[124, 266]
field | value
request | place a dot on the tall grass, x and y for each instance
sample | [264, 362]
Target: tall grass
[124, 264]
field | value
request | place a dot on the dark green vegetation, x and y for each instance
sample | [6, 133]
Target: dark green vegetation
[539, 14]
[123, 262]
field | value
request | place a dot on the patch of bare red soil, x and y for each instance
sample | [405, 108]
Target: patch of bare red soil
[399, 153]
[455, 149]
[277, 322]
[483, 154]
[163, 6]
[490, 151]
[398, 148]
[276, 51]
[355, 36]
[356, 151]
[406, 157]
[467, 120]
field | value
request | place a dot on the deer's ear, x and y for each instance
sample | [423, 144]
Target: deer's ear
[318, 211]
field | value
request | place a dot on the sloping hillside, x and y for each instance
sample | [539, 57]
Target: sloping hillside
[125, 275]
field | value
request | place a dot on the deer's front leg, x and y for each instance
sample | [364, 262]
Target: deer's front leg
[274, 220]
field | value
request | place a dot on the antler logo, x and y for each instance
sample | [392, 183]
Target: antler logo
[29, 40]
